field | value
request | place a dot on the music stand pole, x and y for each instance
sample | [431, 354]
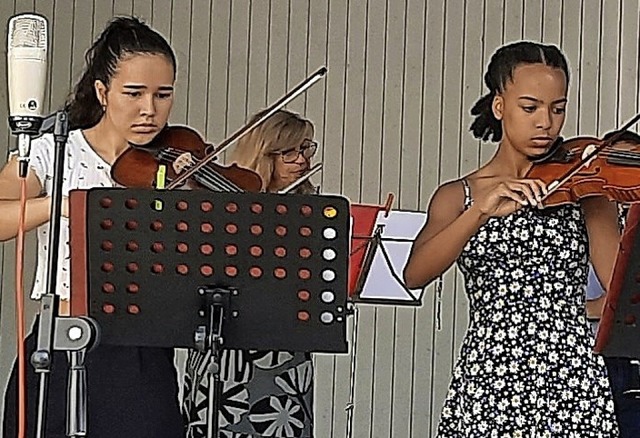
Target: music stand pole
[218, 300]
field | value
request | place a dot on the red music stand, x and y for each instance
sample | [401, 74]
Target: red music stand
[619, 329]
[364, 221]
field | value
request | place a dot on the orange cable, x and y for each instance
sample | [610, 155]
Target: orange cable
[20, 336]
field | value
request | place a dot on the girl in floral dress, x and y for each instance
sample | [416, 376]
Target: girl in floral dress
[526, 367]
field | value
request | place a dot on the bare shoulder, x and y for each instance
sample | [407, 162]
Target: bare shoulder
[447, 202]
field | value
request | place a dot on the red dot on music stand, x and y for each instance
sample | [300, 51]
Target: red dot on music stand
[280, 273]
[106, 224]
[231, 271]
[206, 227]
[304, 295]
[206, 206]
[133, 309]
[182, 269]
[206, 270]
[133, 225]
[255, 272]
[280, 251]
[305, 231]
[255, 251]
[157, 247]
[107, 267]
[256, 208]
[106, 202]
[231, 249]
[304, 253]
[132, 246]
[132, 267]
[281, 230]
[256, 229]
[182, 226]
[306, 210]
[108, 288]
[133, 288]
[303, 315]
[206, 249]
[182, 247]
[231, 228]
[231, 207]
[304, 274]
[156, 225]
[630, 319]
[281, 209]
[182, 205]
[131, 203]
[635, 298]
[157, 268]
[108, 308]
[106, 245]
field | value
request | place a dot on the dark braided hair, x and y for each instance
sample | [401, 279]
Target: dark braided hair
[500, 70]
[123, 36]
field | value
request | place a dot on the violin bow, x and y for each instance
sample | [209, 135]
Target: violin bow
[315, 169]
[555, 185]
[244, 130]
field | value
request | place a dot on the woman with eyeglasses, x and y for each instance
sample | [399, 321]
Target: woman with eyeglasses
[265, 393]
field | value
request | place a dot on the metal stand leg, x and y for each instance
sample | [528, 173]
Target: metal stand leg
[352, 378]
[218, 300]
[77, 395]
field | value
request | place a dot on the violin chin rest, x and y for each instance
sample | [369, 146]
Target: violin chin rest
[550, 153]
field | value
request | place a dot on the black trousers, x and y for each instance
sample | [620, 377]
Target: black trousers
[623, 376]
[132, 392]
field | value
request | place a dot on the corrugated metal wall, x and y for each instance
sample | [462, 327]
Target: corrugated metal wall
[391, 116]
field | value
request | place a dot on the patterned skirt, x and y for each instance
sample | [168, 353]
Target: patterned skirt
[264, 394]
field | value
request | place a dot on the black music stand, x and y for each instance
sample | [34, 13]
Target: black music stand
[197, 269]
[619, 329]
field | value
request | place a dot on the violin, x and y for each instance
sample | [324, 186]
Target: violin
[138, 166]
[586, 166]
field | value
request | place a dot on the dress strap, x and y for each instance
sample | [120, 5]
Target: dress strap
[468, 200]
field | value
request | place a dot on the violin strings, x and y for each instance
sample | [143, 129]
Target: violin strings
[610, 152]
[208, 176]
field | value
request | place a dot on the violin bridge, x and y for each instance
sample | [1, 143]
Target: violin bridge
[588, 150]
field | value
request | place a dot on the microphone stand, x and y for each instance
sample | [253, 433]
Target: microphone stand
[71, 334]
[41, 358]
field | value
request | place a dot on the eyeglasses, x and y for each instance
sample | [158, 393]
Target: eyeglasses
[307, 149]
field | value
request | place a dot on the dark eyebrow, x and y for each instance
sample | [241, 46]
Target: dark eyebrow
[143, 87]
[533, 99]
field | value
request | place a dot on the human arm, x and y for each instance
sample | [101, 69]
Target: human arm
[601, 218]
[449, 227]
[38, 208]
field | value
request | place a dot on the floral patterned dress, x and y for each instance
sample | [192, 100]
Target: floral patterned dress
[264, 394]
[526, 368]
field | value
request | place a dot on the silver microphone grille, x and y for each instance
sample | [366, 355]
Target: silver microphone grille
[29, 31]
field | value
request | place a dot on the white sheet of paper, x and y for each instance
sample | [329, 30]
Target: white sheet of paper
[380, 284]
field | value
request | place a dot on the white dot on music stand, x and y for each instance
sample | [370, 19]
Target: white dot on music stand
[326, 317]
[328, 254]
[328, 275]
[329, 233]
[328, 296]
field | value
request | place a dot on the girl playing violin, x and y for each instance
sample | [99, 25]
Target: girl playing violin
[124, 95]
[272, 390]
[526, 367]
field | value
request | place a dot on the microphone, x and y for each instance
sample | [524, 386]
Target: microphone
[27, 75]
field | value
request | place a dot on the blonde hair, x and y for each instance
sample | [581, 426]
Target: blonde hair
[283, 130]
